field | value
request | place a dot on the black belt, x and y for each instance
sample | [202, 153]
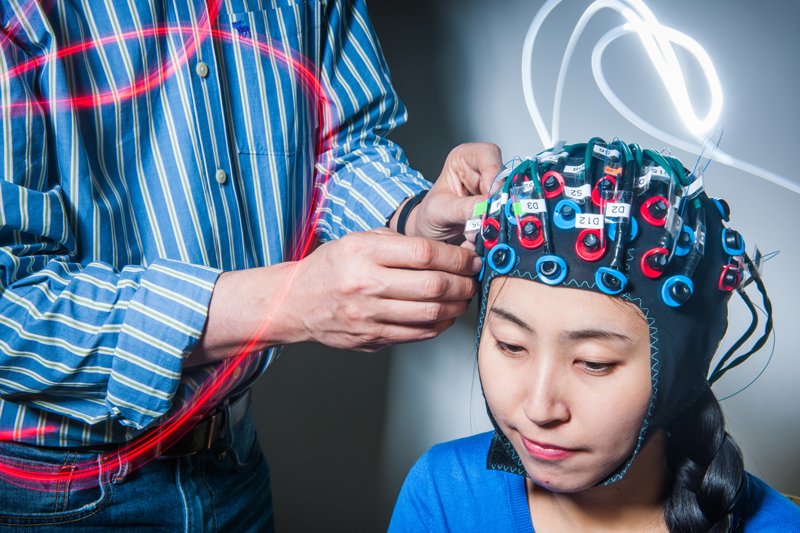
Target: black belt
[210, 427]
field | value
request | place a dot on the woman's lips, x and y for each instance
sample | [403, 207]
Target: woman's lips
[547, 452]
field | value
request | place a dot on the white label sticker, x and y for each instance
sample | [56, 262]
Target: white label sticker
[696, 187]
[589, 220]
[618, 210]
[605, 152]
[574, 170]
[533, 206]
[473, 224]
[549, 159]
[674, 224]
[496, 205]
[578, 193]
[527, 186]
[658, 170]
[643, 182]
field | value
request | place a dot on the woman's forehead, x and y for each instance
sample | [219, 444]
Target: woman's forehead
[563, 308]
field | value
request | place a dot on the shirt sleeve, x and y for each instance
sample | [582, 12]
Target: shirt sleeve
[81, 339]
[363, 177]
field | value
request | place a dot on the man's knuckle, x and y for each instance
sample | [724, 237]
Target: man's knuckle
[468, 287]
[354, 244]
[436, 286]
[352, 314]
[429, 334]
[435, 331]
[349, 285]
[432, 312]
[372, 340]
[423, 252]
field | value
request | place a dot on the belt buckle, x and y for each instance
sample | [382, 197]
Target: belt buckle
[199, 437]
[208, 429]
[214, 427]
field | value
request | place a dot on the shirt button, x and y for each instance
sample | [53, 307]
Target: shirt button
[221, 176]
[201, 69]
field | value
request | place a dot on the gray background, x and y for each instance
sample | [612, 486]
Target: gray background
[341, 429]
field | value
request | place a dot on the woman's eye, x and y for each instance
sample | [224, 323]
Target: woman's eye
[595, 368]
[510, 348]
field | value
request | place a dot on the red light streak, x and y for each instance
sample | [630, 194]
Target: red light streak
[152, 443]
[9, 33]
[150, 82]
[25, 433]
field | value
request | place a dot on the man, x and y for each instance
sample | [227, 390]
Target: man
[160, 164]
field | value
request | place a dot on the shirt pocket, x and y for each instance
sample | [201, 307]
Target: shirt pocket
[266, 57]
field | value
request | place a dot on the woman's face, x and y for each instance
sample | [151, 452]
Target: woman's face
[566, 374]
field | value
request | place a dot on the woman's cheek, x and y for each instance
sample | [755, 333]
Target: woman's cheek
[500, 385]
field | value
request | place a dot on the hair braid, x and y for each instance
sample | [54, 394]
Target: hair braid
[707, 470]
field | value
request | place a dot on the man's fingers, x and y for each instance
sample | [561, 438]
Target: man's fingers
[400, 334]
[399, 312]
[472, 167]
[422, 332]
[464, 207]
[490, 165]
[486, 160]
[426, 254]
[426, 286]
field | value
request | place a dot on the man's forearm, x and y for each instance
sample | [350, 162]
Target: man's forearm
[249, 309]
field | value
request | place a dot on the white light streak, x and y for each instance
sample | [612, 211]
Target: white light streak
[657, 41]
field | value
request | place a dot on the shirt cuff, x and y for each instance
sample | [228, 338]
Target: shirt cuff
[164, 320]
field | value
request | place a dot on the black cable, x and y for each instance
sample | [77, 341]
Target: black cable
[718, 370]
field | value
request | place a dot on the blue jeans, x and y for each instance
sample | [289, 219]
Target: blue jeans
[224, 488]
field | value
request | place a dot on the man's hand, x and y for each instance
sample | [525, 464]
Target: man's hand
[373, 289]
[362, 292]
[465, 180]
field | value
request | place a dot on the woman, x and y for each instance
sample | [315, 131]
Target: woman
[613, 271]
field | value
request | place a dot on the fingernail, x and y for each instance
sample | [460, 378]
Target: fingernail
[477, 264]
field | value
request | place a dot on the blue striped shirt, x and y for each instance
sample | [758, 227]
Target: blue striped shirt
[148, 146]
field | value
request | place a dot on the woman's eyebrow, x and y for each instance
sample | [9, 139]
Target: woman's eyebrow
[566, 336]
[598, 334]
[511, 317]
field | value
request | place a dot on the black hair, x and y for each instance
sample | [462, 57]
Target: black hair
[707, 470]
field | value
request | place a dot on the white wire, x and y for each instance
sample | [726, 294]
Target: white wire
[691, 147]
[657, 40]
[573, 41]
[527, 79]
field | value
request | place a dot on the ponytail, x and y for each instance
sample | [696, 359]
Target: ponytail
[707, 471]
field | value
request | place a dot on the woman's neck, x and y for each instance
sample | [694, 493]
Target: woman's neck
[634, 503]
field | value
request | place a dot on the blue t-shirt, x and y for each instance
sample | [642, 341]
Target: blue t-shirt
[450, 489]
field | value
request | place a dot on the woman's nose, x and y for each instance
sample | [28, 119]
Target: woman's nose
[546, 402]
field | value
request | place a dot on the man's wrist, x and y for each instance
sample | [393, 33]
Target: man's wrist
[250, 307]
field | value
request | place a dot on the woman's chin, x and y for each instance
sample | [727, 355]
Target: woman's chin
[569, 481]
[563, 484]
